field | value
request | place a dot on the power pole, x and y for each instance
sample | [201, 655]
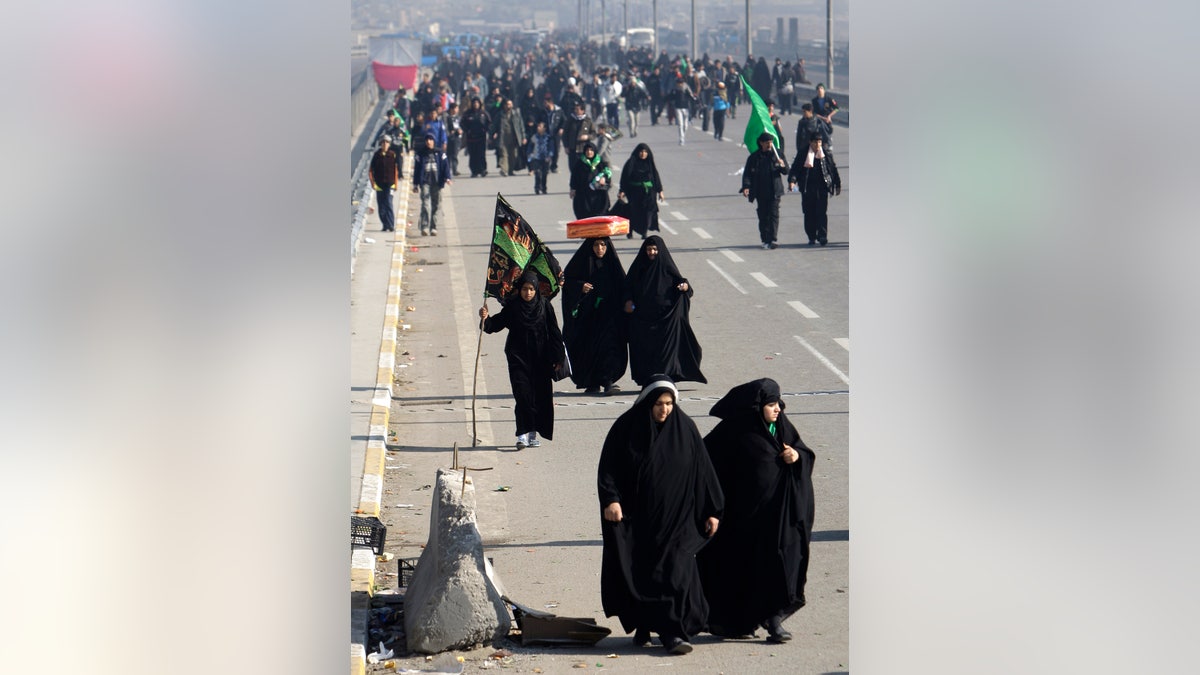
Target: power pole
[656, 28]
[828, 45]
[625, 16]
[748, 29]
[692, 56]
[603, 32]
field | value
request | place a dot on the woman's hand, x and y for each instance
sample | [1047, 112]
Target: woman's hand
[710, 526]
[572, 194]
[483, 313]
[629, 307]
[621, 195]
[789, 454]
[683, 287]
[587, 287]
[612, 513]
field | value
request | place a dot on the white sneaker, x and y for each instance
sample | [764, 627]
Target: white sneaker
[533, 440]
[522, 441]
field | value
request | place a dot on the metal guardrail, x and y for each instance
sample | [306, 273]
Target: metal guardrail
[360, 184]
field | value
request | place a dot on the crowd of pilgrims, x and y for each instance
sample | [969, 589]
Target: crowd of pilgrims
[701, 534]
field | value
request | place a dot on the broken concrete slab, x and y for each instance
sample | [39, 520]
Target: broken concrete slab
[454, 600]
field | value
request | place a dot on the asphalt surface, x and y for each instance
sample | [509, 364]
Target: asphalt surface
[780, 313]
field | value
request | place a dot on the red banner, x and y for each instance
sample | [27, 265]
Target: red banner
[391, 78]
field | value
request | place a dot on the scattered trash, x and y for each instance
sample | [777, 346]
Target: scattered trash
[612, 656]
[369, 240]
[404, 506]
[579, 665]
[405, 326]
[410, 308]
[551, 605]
[420, 269]
[381, 655]
[503, 488]
[499, 654]
[387, 555]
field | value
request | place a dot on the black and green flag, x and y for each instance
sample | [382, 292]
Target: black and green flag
[516, 248]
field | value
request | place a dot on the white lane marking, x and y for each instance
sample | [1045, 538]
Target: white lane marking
[562, 224]
[667, 227]
[804, 311]
[739, 171]
[678, 216]
[700, 231]
[733, 257]
[762, 279]
[727, 277]
[844, 342]
[822, 359]
[465, 313]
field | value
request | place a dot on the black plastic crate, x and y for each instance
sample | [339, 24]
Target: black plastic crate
[405, 568]
[368, 532]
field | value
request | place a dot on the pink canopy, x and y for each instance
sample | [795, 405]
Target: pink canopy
[392, 78]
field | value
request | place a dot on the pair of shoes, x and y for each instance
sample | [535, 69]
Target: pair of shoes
[455, 173]
[776, 632]
[677, 645]
[592, 390]
[772, 245]
[533, 440]
[484, 174]
[766, 246]
[823, 242]
[522, 441]
[612, 390]
[553, 169]
[641, 638]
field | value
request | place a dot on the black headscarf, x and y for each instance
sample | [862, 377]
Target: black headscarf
[584, 266]
[531, 314]
[638, 170]
[652, 283]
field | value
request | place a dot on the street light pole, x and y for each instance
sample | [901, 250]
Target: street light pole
[656, 28]
[603, 31]
[625, 16]
[692, 56]
[748, 29]
[829, 45]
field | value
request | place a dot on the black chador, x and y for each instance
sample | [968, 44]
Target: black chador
[593, 321]
[660, 337]
[661, 476]
[755, 568]
[533, 347]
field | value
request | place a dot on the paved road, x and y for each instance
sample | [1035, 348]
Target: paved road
[781, 313]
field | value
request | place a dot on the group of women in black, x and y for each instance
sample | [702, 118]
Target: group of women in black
[701, 534]
[704, 534]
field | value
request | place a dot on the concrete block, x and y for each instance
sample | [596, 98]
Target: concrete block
[453, 600]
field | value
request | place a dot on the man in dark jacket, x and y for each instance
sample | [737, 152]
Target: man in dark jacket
[385, 176]
[761, 181]
[431, 173]
[808, 125]
[553, 117]
[817, 175]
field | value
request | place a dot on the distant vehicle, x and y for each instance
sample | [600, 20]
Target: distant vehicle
[640, 37]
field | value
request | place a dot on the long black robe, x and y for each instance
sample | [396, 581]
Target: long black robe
[643, 199]
[756, 565]
[660, 337]
[594, 322]
[534, 345]
[589, 202]
[663, 480]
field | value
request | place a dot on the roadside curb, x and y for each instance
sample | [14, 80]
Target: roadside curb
[362, 560]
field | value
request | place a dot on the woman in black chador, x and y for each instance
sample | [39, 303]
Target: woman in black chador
[660, 501]
[591, 179]
[754, 570]
[534, 348]
[476, 126]
[593, 323]
[642, 187]
[657, 299]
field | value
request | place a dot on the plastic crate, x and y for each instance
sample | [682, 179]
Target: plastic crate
[405, 568]
[368, 532]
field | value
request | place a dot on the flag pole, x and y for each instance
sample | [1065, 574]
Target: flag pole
[475, 382]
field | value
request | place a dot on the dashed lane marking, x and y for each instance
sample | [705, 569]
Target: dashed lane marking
[844, 342]
[614, 402]
[733, 257]
[762, 279]
[805, 311]
[701, 233]
[727, 277]
[667, 227]
[821, 357]
[678, 216]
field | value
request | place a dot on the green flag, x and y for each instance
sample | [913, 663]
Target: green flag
[760, 120]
